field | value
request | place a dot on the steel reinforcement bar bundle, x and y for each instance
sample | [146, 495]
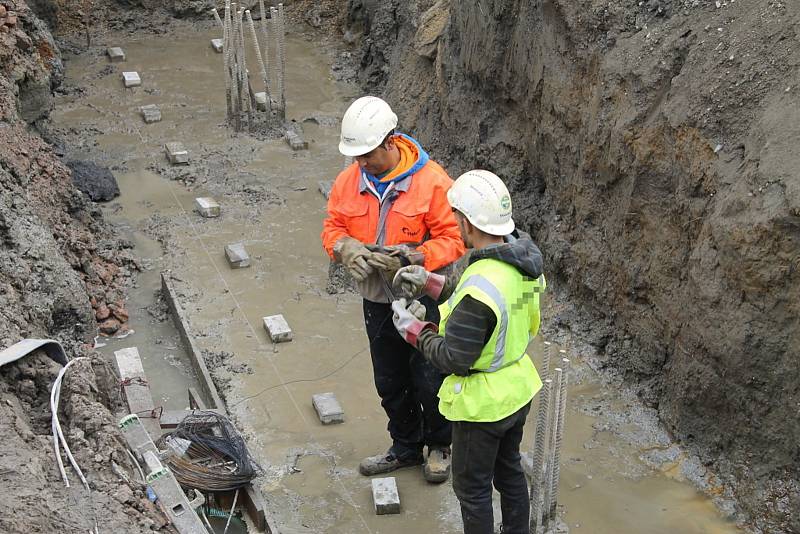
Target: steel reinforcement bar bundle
[238, 27]
[545, 471]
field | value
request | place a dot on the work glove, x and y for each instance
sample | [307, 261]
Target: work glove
[393, 257]
[353, 255]
[409, 319]
[414, 281]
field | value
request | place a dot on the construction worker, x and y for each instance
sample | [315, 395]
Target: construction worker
[389, 209]
[489, 315]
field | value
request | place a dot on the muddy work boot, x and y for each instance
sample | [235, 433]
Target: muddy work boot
[437, 466]
[386, 463]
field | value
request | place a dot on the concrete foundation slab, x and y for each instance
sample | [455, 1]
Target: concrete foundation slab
[385, 496]
[131, 79]
[328, 409]
[115, 54]
[216, 44]
[237, 255]
[277, 328]
[207, 207]
[177, 154]
[150, 113]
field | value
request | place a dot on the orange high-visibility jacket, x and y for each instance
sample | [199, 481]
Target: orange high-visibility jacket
[420, 214]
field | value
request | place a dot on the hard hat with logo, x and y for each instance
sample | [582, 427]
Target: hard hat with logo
[484, 200]
[365, 124]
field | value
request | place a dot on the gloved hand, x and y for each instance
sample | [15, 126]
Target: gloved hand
[409, 318]
[393, 257]
[353, 255]
[413, 281]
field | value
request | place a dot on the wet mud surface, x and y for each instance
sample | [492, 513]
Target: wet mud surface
[621, 472]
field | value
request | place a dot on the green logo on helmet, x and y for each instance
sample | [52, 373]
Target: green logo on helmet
[505, 202]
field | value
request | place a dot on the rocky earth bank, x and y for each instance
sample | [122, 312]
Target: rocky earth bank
[651, 149]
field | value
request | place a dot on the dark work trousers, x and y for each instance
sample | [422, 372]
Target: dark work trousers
[407, 383]
[484, 453]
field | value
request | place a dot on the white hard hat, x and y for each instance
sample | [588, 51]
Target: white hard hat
[484, 200]
[365, 124]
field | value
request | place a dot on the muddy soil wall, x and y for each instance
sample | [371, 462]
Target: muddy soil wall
[62, 273]
[651, 149]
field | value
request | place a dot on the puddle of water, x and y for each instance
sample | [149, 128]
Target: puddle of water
[288, 276]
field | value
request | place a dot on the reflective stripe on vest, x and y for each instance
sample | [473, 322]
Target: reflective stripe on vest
[489, 288]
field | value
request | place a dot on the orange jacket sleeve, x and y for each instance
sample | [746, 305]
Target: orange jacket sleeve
[334, 227]
[445, 244]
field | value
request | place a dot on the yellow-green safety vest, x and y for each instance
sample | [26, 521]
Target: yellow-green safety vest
[503, 379]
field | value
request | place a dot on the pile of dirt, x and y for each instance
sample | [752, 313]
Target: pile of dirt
[651, 150]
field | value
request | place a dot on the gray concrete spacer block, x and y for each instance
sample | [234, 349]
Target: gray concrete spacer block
[261, 101]
[277, 328]
[115, 54]
[150, 113]
[216, 44]
[328, 409]
[131, 79]
[385, 496]
[237, 256]
[207, 207]
[296, 141]
[177, 154]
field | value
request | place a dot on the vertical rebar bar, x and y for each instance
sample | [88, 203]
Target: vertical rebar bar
[216, 17]
[229, 52]
[282, 63]
[552, 419]
[560, 416]
[242, 66]
[276, 31]
[259, 57]
[544, 372]
[267, 61]
[538, 456]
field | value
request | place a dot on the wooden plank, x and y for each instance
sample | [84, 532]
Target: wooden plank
[172, 418]
[196, 402]
[195, 356]
[136, 388]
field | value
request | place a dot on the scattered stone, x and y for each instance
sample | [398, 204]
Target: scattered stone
[385, 496]
[295, 140]
[131, 79]
[216, 44]
[277, 328]
[328, 409]
[3, 11]
[96, 182]
[237, 256]
[177, 154]
[150, 113]
[207, 207]
[102, 313]
[109, 326]
[717, 149]
[116, 54]
[325, 187]
[11, 20]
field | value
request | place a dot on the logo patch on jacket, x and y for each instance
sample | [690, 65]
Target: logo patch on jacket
[407, 231]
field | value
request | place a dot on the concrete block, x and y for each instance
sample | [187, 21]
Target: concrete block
[261, 101]
[116, 54]
[207, 207]
[216, 44]
[296, 140]
[177, 154]
[385, 496]
[238, 257]
[328, 408]
[325, 188]
[277, 328]
[131, 79]
[150, 113]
